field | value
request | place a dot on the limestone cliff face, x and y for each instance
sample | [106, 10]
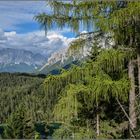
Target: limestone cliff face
[62, 56]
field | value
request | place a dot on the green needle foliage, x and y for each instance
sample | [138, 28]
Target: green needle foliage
[82, 88]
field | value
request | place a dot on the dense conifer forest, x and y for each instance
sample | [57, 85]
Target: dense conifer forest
[98, 99]
[22, 92]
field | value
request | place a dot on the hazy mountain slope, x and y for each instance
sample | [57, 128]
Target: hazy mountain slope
[16, 60]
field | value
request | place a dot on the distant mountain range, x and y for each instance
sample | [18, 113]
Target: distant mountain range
[17, 60]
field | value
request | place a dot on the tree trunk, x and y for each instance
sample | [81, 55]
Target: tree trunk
[97, 122]
[132, 111]
[138, 62]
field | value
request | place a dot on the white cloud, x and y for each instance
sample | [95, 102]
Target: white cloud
[8, 34]
[14, 13]
[34, 41]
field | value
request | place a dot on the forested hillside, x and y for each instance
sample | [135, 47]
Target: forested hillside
[19, 91]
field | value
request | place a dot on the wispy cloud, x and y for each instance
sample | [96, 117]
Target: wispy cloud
[16, 17]
[34, 41]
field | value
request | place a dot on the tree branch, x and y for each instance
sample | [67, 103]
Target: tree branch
[126, 115]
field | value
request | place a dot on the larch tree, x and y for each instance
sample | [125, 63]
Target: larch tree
[118, 18]
[93, 86]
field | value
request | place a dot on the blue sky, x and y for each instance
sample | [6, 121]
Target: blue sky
[18, 15]
[19, 30]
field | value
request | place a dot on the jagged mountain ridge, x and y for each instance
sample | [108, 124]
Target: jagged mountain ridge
[62, 58]
[19, 60]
